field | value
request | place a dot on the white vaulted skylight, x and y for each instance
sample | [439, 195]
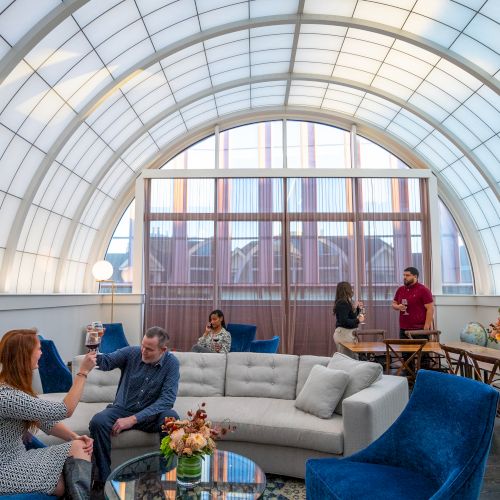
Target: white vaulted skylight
[93, 92]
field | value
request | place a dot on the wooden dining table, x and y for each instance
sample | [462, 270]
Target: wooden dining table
[379, 347]
[474, 349]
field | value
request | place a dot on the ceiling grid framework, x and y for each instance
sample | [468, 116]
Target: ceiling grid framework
[102, 89]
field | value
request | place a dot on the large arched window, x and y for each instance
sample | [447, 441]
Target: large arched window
[308, 145]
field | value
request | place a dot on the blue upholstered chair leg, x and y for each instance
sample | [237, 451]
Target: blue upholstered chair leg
[437, 449]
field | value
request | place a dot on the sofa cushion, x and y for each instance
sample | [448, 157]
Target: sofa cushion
[261, 375]
[79, 423]
[322, 391]
[270, 421]
[201, 374]
[362, 374]
[100, 386]
[306, 362]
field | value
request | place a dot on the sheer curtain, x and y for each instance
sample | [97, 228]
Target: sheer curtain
[392, 222]
[179, 235]
[321, 252]
[214, 244]
[270, 251]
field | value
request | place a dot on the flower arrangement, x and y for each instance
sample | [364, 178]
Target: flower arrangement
[494, 330]
[193, 436]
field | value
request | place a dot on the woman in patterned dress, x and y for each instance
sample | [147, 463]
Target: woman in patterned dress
[215, 338]
[21, 411]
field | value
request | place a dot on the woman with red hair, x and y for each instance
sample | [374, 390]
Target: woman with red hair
[22, 412]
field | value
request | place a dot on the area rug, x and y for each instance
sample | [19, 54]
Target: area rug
[284, 488]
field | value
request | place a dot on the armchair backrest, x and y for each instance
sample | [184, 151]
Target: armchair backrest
[241, 336]
[267, 345]
[430, 335]
[113, 339]
[54, 374]
[443, 433]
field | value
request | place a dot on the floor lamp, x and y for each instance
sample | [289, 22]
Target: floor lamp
[102, 272]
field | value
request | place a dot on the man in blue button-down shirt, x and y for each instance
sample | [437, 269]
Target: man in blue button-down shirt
[145, 396]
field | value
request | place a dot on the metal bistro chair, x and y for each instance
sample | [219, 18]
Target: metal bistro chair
[399, 363]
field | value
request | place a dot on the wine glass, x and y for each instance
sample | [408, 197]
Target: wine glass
[92, 340]
[405, 303]
[362, 310]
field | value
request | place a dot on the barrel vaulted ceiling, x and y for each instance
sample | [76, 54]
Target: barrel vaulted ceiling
[92, 92]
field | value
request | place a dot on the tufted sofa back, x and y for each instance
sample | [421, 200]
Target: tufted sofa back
[201, 374]
[101, 386]
[238, 374]
[261, 375]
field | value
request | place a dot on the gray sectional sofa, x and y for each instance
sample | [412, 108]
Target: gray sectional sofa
[256, 393]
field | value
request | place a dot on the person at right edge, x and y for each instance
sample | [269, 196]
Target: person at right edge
[414, 302]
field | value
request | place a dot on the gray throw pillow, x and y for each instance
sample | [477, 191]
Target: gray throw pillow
[322, 391]
[362, 374]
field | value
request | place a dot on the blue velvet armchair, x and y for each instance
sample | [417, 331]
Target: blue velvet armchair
[436, 449]
[268, 345]
[113, 339]
[241, 336]
[54, 374]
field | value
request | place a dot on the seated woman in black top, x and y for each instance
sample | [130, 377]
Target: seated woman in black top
[347, 315]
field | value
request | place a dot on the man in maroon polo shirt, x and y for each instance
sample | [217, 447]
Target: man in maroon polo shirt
[414, 302]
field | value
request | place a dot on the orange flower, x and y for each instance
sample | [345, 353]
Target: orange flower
[192, 436]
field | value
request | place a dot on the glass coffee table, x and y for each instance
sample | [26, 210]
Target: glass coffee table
[224, 475]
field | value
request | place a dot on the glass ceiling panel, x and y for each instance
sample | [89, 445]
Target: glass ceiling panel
[116, 179]
[111, 22]
[59, 51]
[8, 209]
[210, 16]
[14, 22]
[137, 154]
[10, 160]
[73, 62]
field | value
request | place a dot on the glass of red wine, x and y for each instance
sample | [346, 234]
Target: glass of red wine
[92, 340]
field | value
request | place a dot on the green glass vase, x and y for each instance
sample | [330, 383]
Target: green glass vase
[189, 470]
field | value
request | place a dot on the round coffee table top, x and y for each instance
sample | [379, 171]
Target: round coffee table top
[149, 476]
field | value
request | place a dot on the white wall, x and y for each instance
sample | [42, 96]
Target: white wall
[63, 318]
[453, 312]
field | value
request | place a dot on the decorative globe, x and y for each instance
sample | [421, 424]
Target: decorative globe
[474, 333]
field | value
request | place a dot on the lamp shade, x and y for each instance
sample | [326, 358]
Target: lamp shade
[102, 270]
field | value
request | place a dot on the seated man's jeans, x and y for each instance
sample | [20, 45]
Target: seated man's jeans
[100, 431]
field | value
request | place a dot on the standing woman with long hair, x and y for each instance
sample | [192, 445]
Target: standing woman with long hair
[22, 412]
[347, 317]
